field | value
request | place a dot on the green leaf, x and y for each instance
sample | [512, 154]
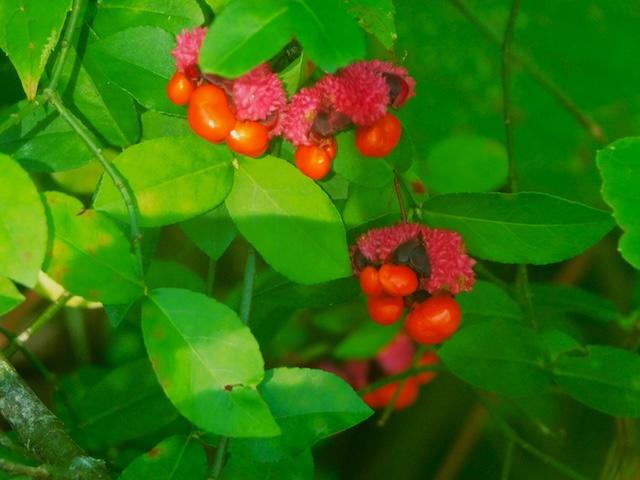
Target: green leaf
[44, 142]
[569, 299]
[167, 273]
[290, 221]
[173, 179]
[207, 362]
[328, 33]
[139, 61]
[530, 228]
[90, 256]
[619, 165]
[502, 358]
[10, 296]
[366, 341]
[370, 207]
[244, 34]
[127, 403]
[29, 32]
[488, 302]
[309, 405]
[156, 124]
[171, 15]
[109, 109]
[212, 232]
[468, 163]
[367, 172]
[83, 180]
[23, 225]
[244, 468]
[377, 17]
[175, 458]
[606, 378]
[283, 292]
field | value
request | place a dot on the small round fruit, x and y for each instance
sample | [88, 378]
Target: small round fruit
[379, 139]
[429, 358]
[434, 320]
[385, 310]
[369, 282]
[180, 89]
[248, 138]
[313, 161]
[398, 280]
[209, 115]
[382, 396]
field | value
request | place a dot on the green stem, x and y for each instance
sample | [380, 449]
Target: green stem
[398, 190]
[111, 170]
[65, 44]
[412, 372]
[592, 127]
[15, 118]
[508, 461]
[524, 292]
[492, 277]
[245, 312]
[40, 322]
[19, 469]
[35, 361]
[513, 436]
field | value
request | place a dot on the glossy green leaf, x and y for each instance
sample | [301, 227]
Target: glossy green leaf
[106, 107]
[44, 142]
[530, 228]
[83, 180]
[364, 171]
[195, 176]
[10, 296]
[156, 124]
[619, 165]
[207, 362]
[171, 15]
[606, 378]
[377, 17]
[175, 458]
[89, 256]
[494, 356]
[569, 299]
[290, 221]
[245, 34]
[244, 468]
[23, 225]
[212, 232]
[30, 32]
[308, 405]
[139, 61]
[558, 343]
[366, 341]
[127, 403]
[468, 163]
[327, 32]
[488, 302]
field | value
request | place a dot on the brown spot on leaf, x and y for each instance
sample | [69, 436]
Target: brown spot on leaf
[154, 452]
[418, 187]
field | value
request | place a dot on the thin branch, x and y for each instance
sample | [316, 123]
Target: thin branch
[526, 298]
[111, 170]
[506, 92]
[592, 127]
[35, 361]
[65, 44]
[513, 436]
[412, 372]
[40, 430]
[15, 118]
[19, 469]
[508, 461]
[40, 322]
[398, 190]
[245, 312]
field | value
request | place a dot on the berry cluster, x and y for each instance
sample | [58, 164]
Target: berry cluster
[395, 358]
[248, 111]
[418, 268]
